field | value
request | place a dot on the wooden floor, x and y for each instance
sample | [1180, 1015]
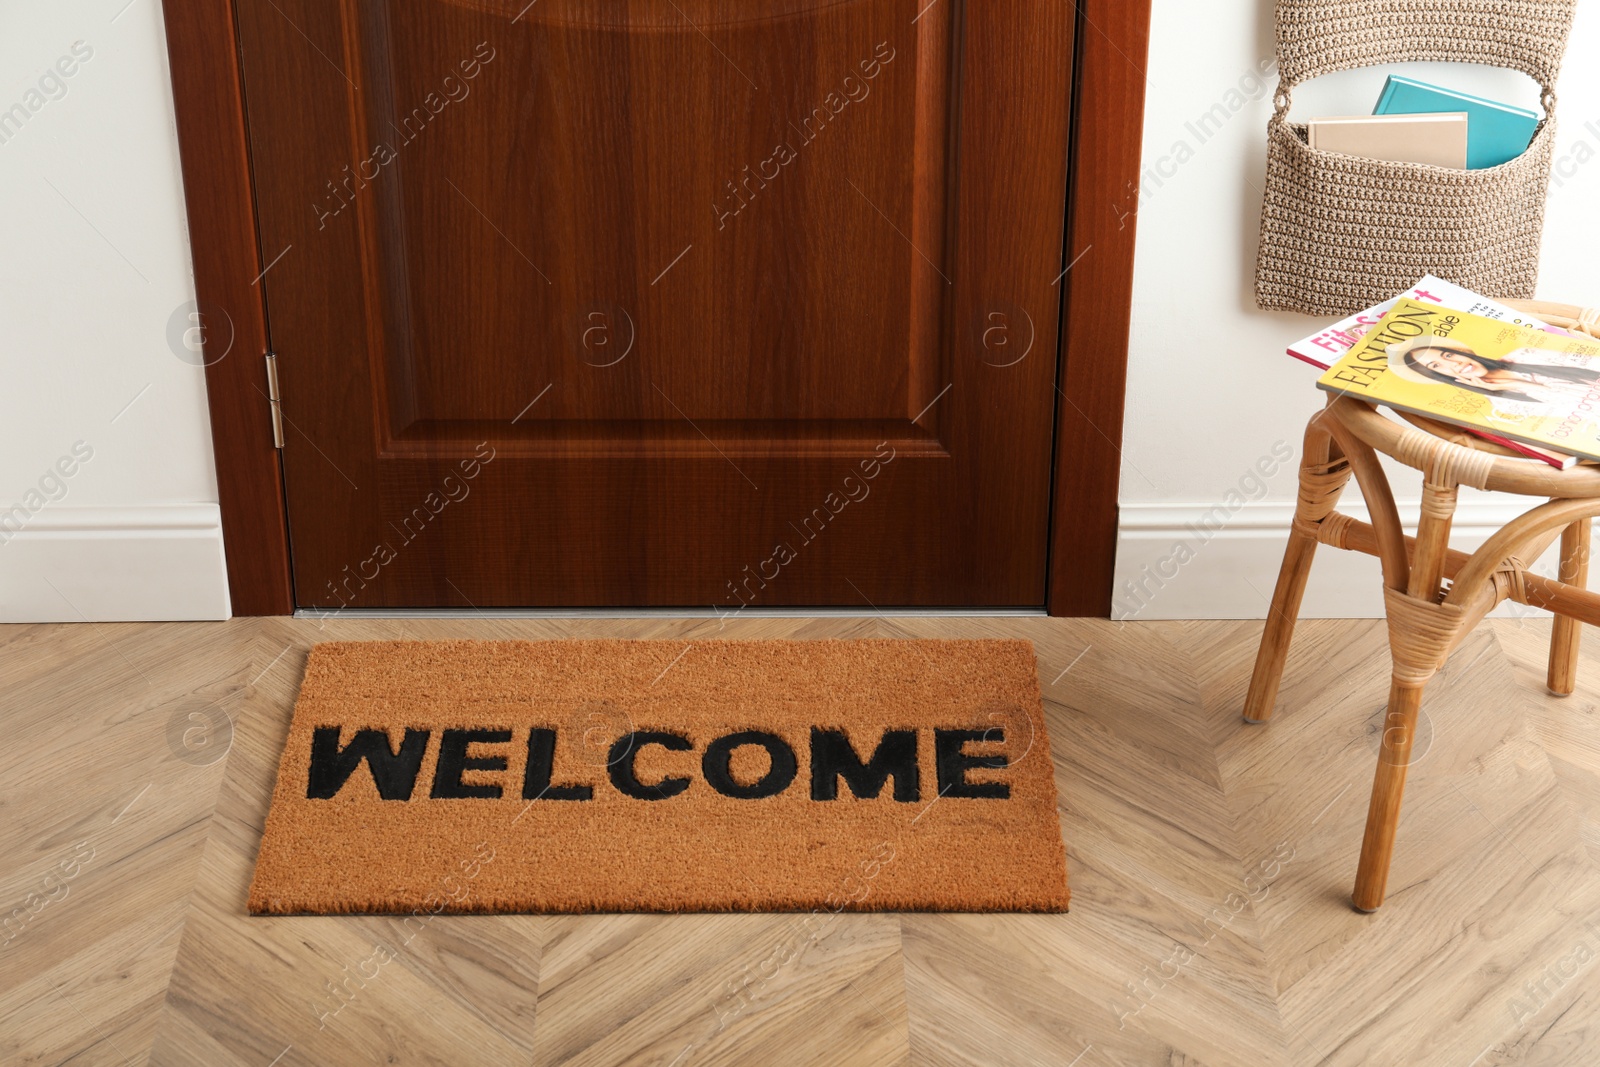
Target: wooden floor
[1210, 861]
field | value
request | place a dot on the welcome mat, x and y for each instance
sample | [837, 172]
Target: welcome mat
[581, 776]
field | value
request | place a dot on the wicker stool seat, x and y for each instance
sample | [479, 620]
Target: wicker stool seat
[1433, 595]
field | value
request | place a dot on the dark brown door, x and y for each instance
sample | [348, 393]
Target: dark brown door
[663, 302]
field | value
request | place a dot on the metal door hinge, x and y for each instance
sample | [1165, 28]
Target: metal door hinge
[274, 400]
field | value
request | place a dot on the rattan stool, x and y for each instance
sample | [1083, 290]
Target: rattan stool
[1428, 618]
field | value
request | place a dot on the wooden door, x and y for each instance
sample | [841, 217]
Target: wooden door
[663, 302]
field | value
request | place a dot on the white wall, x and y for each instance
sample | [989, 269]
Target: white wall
[94, 267]
[94, 263]
[1210, 391]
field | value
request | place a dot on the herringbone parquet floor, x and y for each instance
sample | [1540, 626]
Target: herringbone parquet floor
[1210, 861]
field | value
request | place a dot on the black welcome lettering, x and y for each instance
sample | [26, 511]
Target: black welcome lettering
[719, 754]
[953, 764]
[626, 749]
[541, 765]
[394, 773]
[833, 757]
[454, 761]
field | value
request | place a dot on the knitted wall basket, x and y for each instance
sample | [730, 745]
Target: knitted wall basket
[1340, 233]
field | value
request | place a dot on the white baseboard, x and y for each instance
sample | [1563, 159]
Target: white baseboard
[165, 563]
[1170, 567]
[122, 564]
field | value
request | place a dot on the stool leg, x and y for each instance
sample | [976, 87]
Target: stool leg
[1279, 631]
[1323, 475]
[1565, 633]
[1419, 649]
[1388, 784]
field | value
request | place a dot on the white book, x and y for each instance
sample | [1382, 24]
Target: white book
[1438, 139]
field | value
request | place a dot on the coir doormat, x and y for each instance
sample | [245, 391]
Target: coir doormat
[581, 776]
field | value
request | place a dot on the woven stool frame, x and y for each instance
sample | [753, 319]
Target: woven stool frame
[1433, 594]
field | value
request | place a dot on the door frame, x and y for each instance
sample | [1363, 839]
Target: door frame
[1111, 42]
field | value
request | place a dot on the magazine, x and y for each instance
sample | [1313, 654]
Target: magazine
[1323, 348]
[1519, 382]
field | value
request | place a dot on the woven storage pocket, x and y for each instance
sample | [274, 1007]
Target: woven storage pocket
[1340, 233]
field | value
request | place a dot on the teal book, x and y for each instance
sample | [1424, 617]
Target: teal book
[1496, 133]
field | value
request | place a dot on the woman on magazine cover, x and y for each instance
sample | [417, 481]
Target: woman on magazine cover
[1519, 376]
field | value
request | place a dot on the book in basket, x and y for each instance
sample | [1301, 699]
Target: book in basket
[1526, 384]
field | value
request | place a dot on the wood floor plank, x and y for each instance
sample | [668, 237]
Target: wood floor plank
[109, 789]
[1568, 727]
[723, 989]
